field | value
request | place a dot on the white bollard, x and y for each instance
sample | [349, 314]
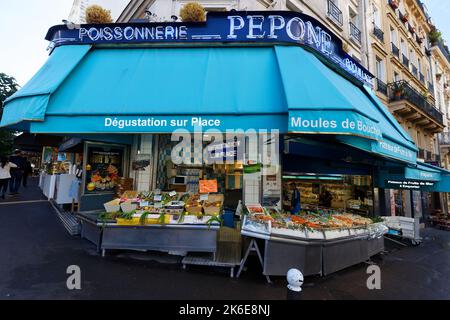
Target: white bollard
[295, 280]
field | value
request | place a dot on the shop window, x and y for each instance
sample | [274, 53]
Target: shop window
[346, 193]
[185, 175]
[104, 165]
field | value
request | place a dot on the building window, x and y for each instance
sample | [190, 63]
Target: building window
[376, 17]
[397, 77]
[393, 36]
[380, 69]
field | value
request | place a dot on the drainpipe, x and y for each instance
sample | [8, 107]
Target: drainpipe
[365, 53]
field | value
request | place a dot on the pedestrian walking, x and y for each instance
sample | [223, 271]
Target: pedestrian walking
[16, 172]
[28, 170]
[5, 175]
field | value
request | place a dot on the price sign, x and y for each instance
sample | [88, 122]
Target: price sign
[172, 193]
[208, 186]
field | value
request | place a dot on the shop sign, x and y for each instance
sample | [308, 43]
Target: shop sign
[333, 122]
[221, 27]
[418, 174]
[394, 150]
[408, 184]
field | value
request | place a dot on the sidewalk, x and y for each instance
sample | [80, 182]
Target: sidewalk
[30, 193]
[36, 251]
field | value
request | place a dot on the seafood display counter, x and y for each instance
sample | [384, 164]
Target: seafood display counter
[166, 221]
[317, 243]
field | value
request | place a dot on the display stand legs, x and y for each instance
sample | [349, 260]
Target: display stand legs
[253, 247]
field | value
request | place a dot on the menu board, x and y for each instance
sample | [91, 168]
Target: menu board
[103, 168]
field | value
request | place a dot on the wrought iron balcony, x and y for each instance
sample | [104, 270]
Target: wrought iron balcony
[377, 32]
[355, 33]
[402, 90]
[444, 49]
[395, 50]
[334, 12]
[382, 87]
[405, 61]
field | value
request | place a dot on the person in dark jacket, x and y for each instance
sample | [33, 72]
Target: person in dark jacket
[295, 200]
[325, 198]
[16, 173]
[28, 170]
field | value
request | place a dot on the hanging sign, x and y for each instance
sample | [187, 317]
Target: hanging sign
[283, 27]
[408, 184]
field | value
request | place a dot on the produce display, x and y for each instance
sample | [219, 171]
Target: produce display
[309, 224]
[103, 178]
[151, 207]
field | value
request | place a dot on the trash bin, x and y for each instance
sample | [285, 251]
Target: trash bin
[228, 218]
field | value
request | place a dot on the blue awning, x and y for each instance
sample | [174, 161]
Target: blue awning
[84, 90]
[431, 178]
[30, 102]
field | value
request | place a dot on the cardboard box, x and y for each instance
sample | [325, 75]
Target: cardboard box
[112, 206]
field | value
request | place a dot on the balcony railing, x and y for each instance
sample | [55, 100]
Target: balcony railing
[382, 87]
[444, 49]
[395, 50]
[405, 61]
[414, 71]
[402, 90]
[355, 33]
[335, 13]
[377, 32]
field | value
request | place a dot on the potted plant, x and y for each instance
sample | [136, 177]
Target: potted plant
[394, 4]
[435, 37]
[405, 17]
[97, 14]
[399, 90]
[193, 12]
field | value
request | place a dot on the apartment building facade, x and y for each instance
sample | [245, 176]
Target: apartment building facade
[343, 17]
[399, 55]
[388, 37]
[441, 70]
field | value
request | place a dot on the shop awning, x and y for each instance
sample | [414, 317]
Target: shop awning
[30, 103]
[320, 101]
[126, 90]
[84, 90]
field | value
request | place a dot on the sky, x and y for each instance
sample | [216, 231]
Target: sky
[23, 26]
[24, 23]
